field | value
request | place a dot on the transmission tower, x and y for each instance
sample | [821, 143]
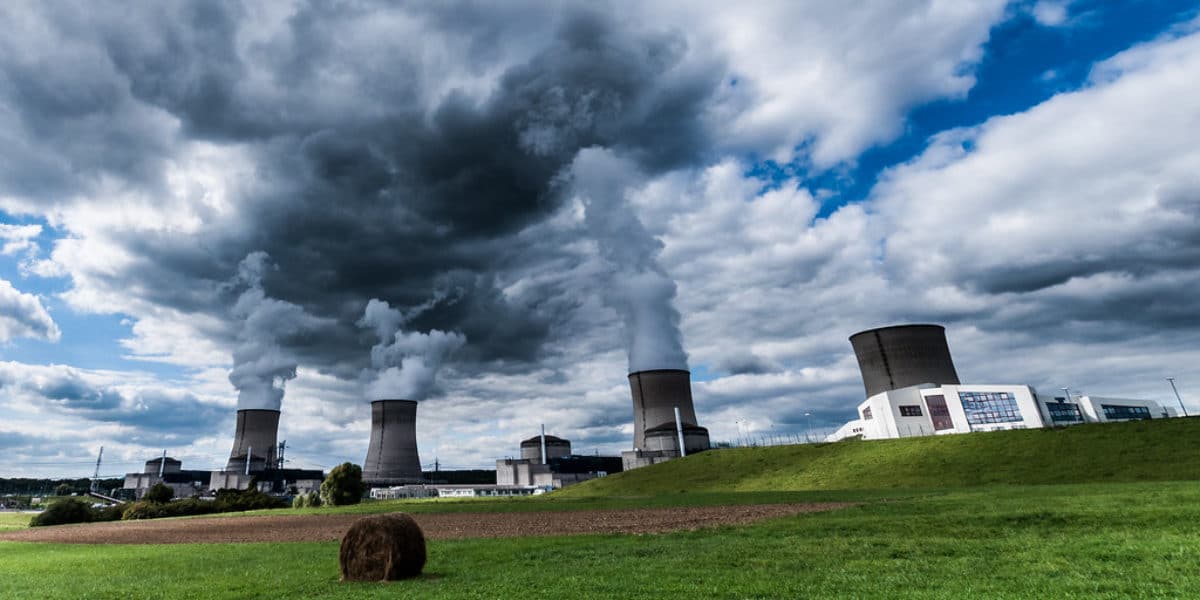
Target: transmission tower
[96, 475]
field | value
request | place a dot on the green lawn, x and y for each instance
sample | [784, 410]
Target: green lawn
[14, 520]
[1158, 450]
[1068, 541]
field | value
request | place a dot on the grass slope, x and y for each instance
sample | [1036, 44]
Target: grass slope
[1159, 450]
[1072, 541]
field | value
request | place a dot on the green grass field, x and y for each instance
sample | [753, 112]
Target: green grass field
[14, 520]
[1162, 450]
[968, 534]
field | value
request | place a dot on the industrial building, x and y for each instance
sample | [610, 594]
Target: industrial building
[928, 409]
[546, 462]
[189, 483]
[664, 418]
[913, 389]
[461, 490]
[169, 472]
[392, 457]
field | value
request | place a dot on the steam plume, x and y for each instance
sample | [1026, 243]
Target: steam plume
[406, 363]
[639, 290]
[261, 367]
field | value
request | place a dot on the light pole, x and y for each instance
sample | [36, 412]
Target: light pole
[808, 426]
[739, 428]
[1176, 390]
[1066, 393]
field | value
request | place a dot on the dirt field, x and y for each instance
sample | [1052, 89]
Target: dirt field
[310, 528]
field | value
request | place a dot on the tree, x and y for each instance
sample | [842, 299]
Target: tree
[160, 493]
[63, 489]
[67, 510]
[343, 485]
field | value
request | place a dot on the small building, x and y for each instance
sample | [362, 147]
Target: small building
[929, 409]
[485, 490]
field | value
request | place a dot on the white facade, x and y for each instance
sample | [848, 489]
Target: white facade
[453, 491]
[928, 409]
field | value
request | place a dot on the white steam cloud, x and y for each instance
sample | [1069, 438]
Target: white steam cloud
[639, 289]
[261, 367]
[406, 363]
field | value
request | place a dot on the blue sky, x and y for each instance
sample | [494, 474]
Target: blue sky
[977, 165]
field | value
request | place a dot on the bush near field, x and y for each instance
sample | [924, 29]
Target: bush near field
[226, 501]
[74, 510]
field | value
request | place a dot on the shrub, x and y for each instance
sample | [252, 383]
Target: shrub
[160, 493]
[344, 485]
[157, 510]
[300, 501]
[251, 499]
[109, 513]
[314, 499]
[67, 510]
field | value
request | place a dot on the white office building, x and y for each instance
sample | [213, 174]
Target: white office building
[929, 409]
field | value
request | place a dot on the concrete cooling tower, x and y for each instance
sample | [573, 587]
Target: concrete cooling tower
[256, 434]
[903, 355]
[392, 456]
[656, 394]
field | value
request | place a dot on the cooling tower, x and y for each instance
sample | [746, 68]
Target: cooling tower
[656, 393]
[256, 433]
[392, 457]
[556, 447]
[903, 355]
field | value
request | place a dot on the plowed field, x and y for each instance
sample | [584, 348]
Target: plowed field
[313, 528]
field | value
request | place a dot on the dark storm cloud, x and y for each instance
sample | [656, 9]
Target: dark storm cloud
[365, 191]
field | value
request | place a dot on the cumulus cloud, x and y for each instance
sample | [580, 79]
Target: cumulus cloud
[22, 315]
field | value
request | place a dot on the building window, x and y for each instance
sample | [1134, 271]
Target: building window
[1064, 412]
[990, 407]
[1117, 412]
[910, 410]
[867, 413]
[939, 413]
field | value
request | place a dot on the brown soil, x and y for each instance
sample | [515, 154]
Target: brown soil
[438, 526]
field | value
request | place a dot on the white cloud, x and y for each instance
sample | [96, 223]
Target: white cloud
[22, 315]
[1050, 13]
[834, 77]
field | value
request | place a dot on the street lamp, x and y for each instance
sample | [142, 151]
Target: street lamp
[1176, 390]
[1066, 393]
[808, 433]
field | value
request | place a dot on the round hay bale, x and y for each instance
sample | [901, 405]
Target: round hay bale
[382, 548]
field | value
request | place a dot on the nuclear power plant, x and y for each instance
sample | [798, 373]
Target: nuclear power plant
[392, 455]
[902, 355]
[664, 418]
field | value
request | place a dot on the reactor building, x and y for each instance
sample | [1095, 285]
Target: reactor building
[392, 455]
[664, 418]
[547, 462]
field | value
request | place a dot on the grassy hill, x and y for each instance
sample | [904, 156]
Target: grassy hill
[1159, 450]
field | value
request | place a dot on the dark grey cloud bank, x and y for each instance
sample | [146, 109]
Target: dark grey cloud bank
[374, 194]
